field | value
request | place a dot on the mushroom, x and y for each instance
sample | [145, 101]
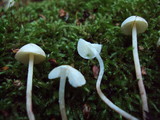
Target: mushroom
[7, 4]
[132, 26]
[30, 54]
[76, 79]
[88, 50]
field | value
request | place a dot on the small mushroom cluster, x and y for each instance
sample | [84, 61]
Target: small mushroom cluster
[32, 54]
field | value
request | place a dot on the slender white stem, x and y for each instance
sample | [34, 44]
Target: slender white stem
[104, 98]
[139, 73]
[29, 88]
[61, 96]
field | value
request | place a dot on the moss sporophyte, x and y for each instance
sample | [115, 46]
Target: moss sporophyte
[30, 54]
[84, 48]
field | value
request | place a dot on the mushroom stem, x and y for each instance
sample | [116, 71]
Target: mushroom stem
[29, 88]
[104, 98]
[61, 96]
[138, 73]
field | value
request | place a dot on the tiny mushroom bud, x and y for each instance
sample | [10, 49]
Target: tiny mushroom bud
[30, 54]
[132, 26]
[76, 79]
[88, 50]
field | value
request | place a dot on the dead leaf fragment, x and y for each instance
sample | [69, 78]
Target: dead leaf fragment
[62, 13]
[117, 24]
[86, 111]
[17, 83]
[141, 48]
[42, 16]
[5, 68]
[143, 69]
[15, 50]
[95, 70]
[53, 62]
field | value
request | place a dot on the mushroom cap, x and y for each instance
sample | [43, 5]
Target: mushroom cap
[127, 25]
[23, 54]
[88, 50]
[76, 79]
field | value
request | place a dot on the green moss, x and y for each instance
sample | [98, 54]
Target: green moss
[97, 21]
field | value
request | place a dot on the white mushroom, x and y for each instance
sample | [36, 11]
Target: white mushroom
[30, 54]
[76, 79]
[7, 4]
[88, 50]
[132, 26]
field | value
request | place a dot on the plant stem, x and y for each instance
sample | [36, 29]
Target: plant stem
[138, 73]
[29, 88]
[104, 98]
[61, 95]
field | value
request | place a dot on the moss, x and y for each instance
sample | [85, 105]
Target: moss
[96, 21]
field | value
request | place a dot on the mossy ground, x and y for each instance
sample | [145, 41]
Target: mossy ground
[96, 21]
